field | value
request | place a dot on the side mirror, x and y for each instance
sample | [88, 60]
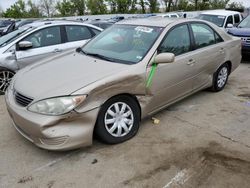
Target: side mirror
[24, 45]
[164, 58]
[230, 25]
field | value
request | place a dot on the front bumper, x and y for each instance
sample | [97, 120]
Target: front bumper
[65, 132]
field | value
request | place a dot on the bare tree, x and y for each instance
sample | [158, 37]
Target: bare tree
[48, 7]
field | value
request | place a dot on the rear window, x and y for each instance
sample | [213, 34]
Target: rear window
[236, 18]
[76, 33]
[216, 19]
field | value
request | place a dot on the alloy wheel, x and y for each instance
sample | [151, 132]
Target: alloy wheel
[222, 77]
[5, 78]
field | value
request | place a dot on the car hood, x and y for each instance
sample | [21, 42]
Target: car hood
[239, 31]
[63, 75]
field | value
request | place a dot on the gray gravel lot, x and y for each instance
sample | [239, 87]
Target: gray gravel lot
[202, 141]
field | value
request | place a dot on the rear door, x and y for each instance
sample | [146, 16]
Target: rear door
[209, 53]
[46, 42]
[77, 35]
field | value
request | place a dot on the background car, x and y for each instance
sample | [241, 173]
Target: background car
[104, 24]
[37, 41]
[221, 18]
[23, 22]
[169, 15]
[243, 31]
[6, 26]
[129, 71]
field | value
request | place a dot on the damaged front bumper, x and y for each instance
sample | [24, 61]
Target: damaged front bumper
[65, 132]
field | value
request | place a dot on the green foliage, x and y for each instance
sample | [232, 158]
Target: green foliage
[33, 10]
[27, 8]
[96, 7]
[153, 6]
[142, 4]
[218, 4]
[17, 10]
[79, 6]
[65, 8]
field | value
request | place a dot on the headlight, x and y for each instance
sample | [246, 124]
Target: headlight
[57, 106]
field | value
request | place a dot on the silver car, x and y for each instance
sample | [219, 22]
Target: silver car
[39, 40]
[129, 71]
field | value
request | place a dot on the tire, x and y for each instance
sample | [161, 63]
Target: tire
[119, 125]
[6, 76]
[220, 78]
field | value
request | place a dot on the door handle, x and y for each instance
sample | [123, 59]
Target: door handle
[57, 50]
[191, 62]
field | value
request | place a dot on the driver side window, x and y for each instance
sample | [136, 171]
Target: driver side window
[177, 41]
[45, 37]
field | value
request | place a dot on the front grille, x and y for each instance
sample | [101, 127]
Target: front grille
[22, 100]
[244, 39]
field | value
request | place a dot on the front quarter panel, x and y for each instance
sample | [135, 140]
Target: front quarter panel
[131, 81]
[8, 59]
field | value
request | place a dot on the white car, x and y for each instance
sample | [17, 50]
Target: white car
[39, 40]
[169, 15]
[222, 18]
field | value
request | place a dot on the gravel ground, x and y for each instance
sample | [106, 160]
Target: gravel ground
[202, 141]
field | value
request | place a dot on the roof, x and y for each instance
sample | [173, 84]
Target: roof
[152, 21]
[220, 12]
[57, 22]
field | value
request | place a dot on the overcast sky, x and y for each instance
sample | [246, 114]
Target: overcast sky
[4, 4]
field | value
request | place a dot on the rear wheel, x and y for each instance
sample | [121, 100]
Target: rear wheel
[6, 76]
[220, 78]
[118, 120]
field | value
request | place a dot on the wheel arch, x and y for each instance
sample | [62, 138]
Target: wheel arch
[128, 95]
[229, 63]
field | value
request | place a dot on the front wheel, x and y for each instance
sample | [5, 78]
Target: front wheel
[220, 78]
[6, 76]
[118, 120]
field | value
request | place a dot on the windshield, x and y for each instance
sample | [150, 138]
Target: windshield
[216, 19]
[123, 43]
[245, 23]
[4, 23]
[6, 39]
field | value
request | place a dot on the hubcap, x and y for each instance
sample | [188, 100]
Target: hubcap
[5, 78]
[222, 77]
[119, 119]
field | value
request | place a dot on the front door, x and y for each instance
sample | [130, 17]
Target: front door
[45, 43]
[172, 81]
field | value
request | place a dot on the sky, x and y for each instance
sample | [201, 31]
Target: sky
[4, 4]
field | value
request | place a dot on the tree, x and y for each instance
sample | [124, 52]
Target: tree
[48, 7]
[153, 6]
[65, 8]
[123, 6]
[17, 10]
[96, 6]
[235, 6]
[79, 6]
[33, 10]
[184, 5]
[133, 8]
[142, 4]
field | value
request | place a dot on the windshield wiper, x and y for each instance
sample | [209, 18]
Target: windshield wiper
[95, 55]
